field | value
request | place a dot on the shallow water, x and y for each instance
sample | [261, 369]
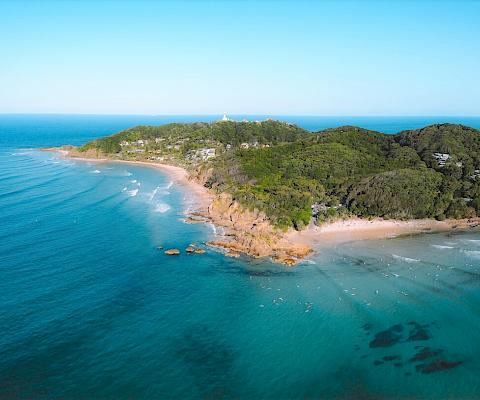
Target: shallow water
[90, 308]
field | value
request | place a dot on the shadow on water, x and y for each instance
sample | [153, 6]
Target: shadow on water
[349, 383]
[208, 360]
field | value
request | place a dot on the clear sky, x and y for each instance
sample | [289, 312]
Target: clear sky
[258, 57]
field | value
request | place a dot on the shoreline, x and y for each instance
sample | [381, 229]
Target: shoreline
[357, 229]
[178, 175]
[251, 233]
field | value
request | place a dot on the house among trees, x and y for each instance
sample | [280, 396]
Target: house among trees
[441, 158]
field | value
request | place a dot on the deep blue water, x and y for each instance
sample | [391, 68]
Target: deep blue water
[36, 130]
[91, 309]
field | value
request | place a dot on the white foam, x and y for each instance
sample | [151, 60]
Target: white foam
[162, 208]
[217, 230]
[133, 181]
[96, 171]
[406, 259]
[155, 191]
[439, 246]
[170, 184]
[132, 193]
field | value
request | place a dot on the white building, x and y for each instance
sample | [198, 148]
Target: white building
[202, 154]
[206, 154]
[441, 158]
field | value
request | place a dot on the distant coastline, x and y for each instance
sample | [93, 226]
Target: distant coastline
[284, 247]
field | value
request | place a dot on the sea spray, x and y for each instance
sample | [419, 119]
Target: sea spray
[132, 193]
[162, 208]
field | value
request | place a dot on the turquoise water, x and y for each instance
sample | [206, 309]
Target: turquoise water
[91, 309]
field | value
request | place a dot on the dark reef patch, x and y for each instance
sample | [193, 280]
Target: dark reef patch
[437, 366]
[427, 360]
[388, 337]
[430, 361]
[425, 353]
[418, 332]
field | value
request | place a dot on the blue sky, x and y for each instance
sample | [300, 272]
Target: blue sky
[240, 57]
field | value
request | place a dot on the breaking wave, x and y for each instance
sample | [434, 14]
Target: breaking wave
[162, 208]
[406, 259]
[155, 191]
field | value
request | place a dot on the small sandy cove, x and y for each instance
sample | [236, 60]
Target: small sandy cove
[361, 229]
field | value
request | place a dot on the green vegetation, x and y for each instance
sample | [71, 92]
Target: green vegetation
[292, 174]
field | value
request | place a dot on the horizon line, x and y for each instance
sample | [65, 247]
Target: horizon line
[249, 114]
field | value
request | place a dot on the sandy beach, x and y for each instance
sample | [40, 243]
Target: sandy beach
[353, 229]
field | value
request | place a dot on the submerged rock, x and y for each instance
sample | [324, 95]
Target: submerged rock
[233, 254]
[418, 332]
[199, 251]
[172, 252]
[190, 249]
[388, 337]
[436, 366]
[425, 354]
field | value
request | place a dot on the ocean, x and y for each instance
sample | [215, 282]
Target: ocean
[90, 308]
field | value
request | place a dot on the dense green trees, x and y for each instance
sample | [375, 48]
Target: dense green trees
[348, 170]
[402, 193]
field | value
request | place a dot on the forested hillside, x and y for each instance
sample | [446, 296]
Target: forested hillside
[293, 175]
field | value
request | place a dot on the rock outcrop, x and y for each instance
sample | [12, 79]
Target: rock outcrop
[172, 252]
[251, 233]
